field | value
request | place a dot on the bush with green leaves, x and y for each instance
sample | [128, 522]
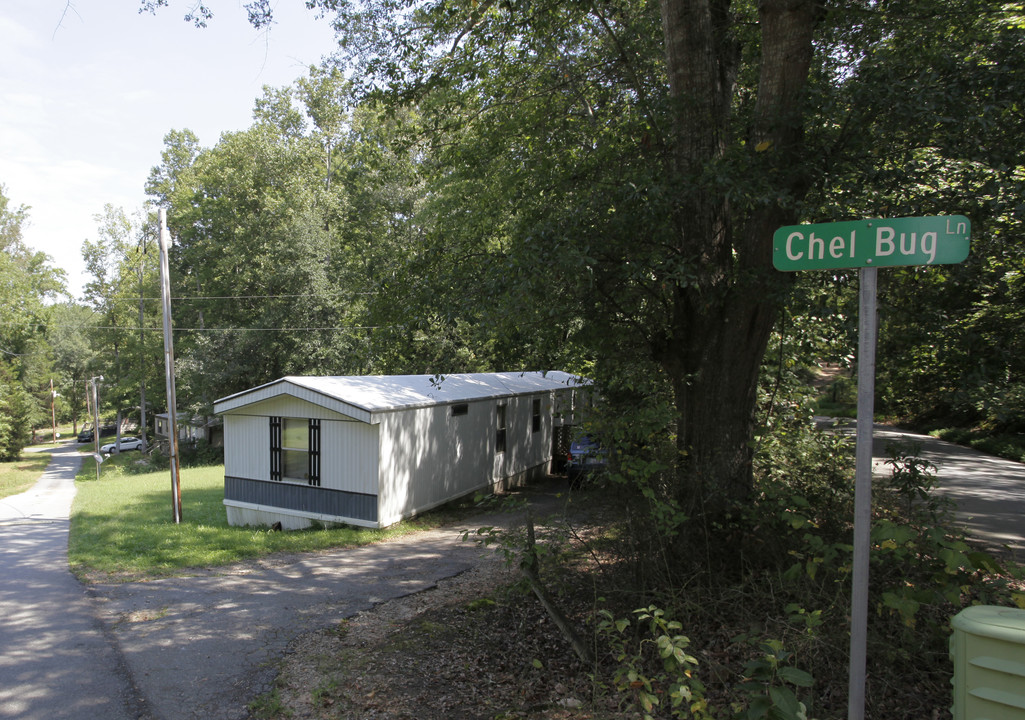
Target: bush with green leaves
[768, 685]
[653, 665]
[765, 600]
[912, 477]
[15, 414]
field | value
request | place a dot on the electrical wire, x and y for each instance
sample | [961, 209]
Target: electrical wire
[191, 298]
[136, 328]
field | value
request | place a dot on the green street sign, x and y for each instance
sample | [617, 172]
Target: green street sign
[941, 240]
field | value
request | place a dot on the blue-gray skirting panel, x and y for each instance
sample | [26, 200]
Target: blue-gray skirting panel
[302, 498]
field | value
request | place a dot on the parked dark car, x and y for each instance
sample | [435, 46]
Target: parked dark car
[85, 435]
[586, 456]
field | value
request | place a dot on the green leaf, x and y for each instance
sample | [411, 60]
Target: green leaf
[795, 676]
[985, 561]
[786, 701]
[759, 707]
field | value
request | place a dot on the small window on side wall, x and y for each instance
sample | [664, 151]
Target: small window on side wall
[500, 431]
[460, 409]
[536, 427]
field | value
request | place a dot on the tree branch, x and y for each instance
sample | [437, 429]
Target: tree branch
[530, 570]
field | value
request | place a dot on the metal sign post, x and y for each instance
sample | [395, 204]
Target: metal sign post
[867, 330]
[868, 245]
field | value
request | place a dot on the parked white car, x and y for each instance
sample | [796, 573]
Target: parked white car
[127, 443]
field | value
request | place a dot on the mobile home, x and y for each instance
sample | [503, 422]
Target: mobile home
[373, 450]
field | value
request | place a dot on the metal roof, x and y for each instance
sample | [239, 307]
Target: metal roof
[386, 393]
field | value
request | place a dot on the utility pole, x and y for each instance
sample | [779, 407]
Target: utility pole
[142, 352]
[88, 406]
[96, 425]
[53, 410]
[172, 413]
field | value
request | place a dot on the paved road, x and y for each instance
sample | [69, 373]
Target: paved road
[989, 492]
[203, 647]
[56, 659]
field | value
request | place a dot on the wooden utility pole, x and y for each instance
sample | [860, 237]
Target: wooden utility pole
[172, 414]
[96, 425]
[142, 351]
[53, 410]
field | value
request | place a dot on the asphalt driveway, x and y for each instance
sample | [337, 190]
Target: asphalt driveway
[203, 647]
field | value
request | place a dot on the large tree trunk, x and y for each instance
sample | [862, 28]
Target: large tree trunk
[721, 324]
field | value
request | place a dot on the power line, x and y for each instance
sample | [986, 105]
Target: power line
[189, 298]
[137, 328]
[283, 329]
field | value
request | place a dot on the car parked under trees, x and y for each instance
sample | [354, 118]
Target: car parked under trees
[127, 443]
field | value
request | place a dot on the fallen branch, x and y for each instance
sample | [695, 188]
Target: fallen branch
[529, 567]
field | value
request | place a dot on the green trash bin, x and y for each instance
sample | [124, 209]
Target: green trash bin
[988, 651]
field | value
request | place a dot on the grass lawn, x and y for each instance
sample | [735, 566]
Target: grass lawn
[20, 475]
[122, 528]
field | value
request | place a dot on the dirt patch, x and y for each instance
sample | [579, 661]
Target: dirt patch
[476, 646]
[825, 374]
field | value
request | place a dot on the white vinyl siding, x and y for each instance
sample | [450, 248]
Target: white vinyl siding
[286, 406]
[348, 449]
[348, 456]
[246, 444]
[523, 447]
[429, 457]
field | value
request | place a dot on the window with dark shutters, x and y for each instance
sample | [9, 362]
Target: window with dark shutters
[314, 471]
[275, 448]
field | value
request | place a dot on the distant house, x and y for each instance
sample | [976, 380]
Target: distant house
[370, 451]
[191, 429]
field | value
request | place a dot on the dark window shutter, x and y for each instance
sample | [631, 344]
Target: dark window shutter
[275, 448]
[314, 469]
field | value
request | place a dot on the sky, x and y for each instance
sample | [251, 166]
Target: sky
[89, 89]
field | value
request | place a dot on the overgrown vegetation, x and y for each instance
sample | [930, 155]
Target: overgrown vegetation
[765, 638]
[1006, 445]
[763, 631]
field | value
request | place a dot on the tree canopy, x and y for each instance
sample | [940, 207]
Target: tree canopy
[27, 282]
[595, 187]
